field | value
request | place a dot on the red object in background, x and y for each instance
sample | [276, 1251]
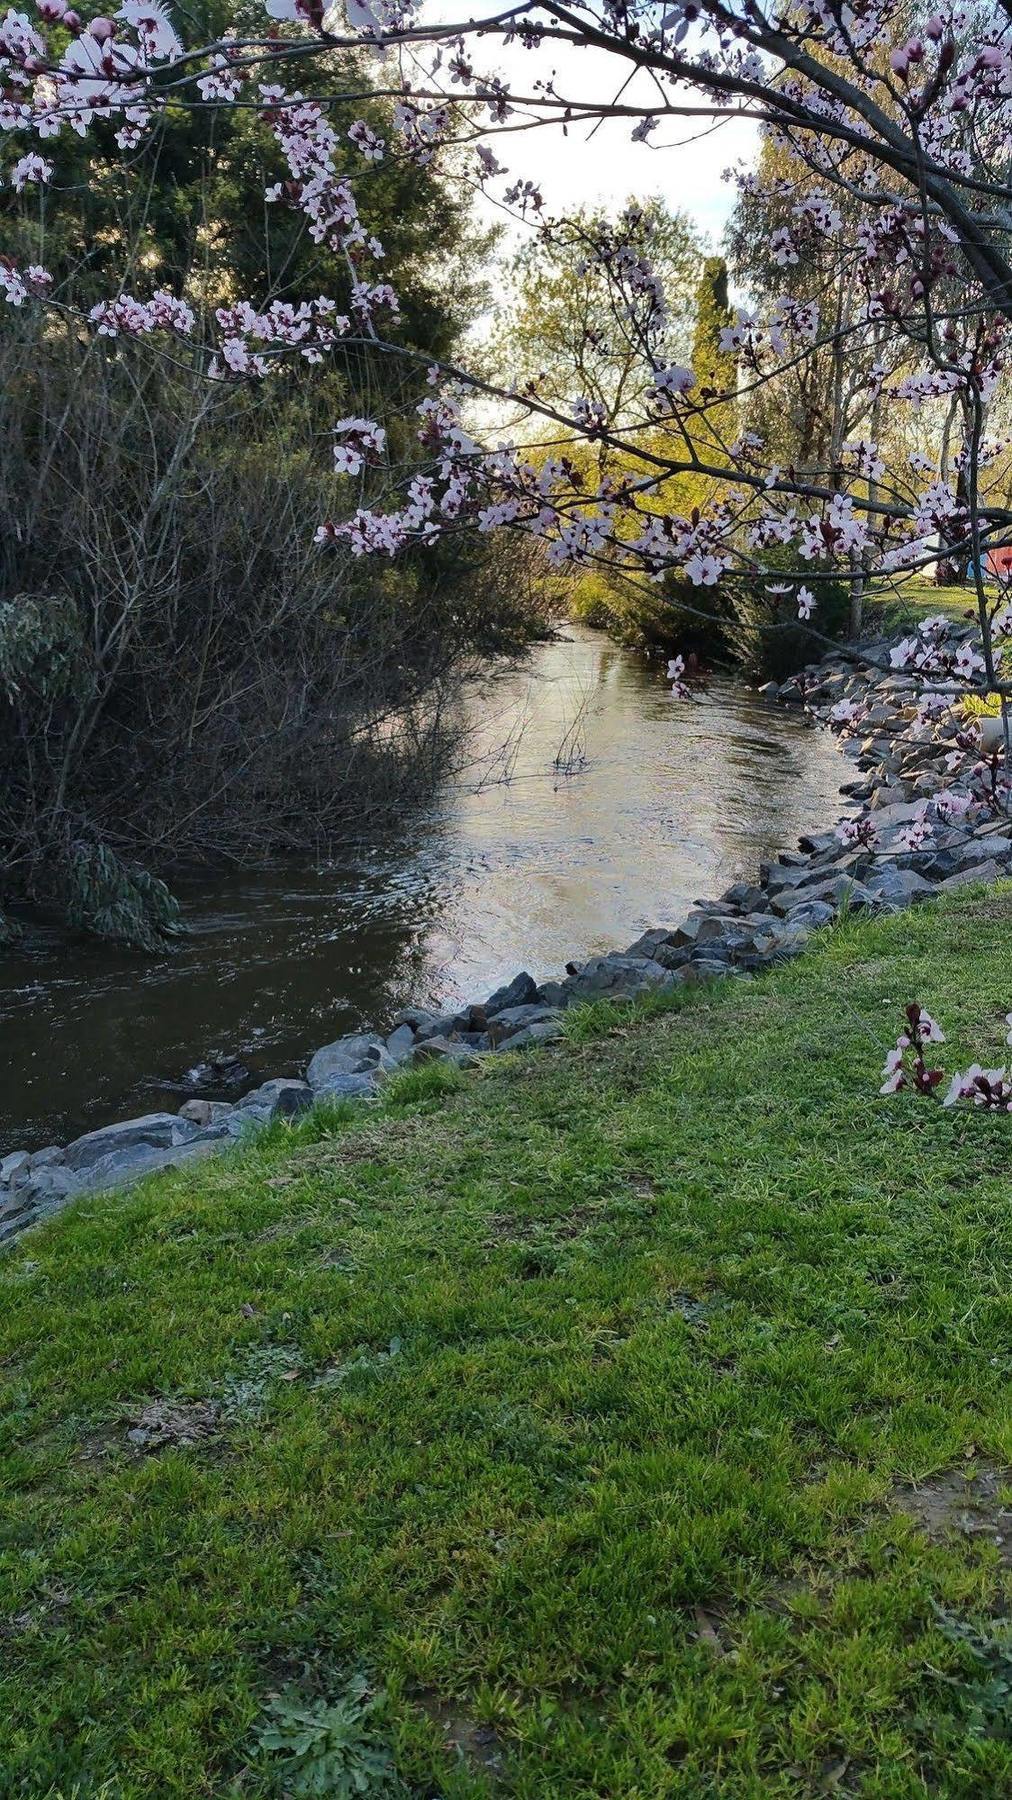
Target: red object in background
[999, 561]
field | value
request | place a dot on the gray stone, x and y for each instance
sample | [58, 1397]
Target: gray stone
[16, 1163]
[122, 1168]
[987, 848]
[521, 991]
[441, 1049]
[901, 887]
[422, 1022]
[152, 1131]
[973, 874]
[553, 993]
[517, 1018]
[358, 1053]
[660, 937]
[347, 1087]
[45, 1159]
[544, 1031]
[278, 1099]
[615, 974]
[812, 913]
[204, 1112]
[400, 1042]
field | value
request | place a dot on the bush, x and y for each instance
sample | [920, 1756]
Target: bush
[183, 675]
[765, 637]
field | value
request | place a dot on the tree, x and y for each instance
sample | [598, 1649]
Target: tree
[576, 317]
[903, 132]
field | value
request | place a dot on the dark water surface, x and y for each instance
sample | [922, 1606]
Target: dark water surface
[516, 864]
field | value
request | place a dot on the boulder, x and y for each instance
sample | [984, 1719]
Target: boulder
[17, 1212]
[359, 1053]
[521, 991]
[152, 1131]
[813, 914]
[441, 1049]
[553, 993]
[615, 974]
[277, 1100]
[122, 1168]
[900, 887]
[513, 1019]
[347, 1087]
[204, 1112]
[16, 1163]
[399, 1042]
[544, 1031]
[970, 877]
[422, 1021]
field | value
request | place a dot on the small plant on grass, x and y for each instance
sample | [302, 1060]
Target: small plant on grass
[985, 1695]
[906, 1066]
[330, 1748]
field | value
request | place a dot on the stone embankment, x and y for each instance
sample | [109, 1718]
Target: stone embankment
[918, 850]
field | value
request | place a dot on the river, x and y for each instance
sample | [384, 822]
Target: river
[591, 805]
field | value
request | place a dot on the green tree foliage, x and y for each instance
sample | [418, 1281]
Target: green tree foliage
[716, 370]
[567, 326]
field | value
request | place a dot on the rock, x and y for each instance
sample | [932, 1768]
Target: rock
[400, 1042]
[544, 1031]
[970, 876]
[512, 1019]
[470, 1021]
[441, 1049]
[521, 991]
[45, 1159]
[16, 1163]
[901, 887]
[422, 1022]
[813, 914]
[615, 974]
[360, 1053]
[277, 1100]
[553, 993]
[204, 1112]
[987, 848]
[122, 1168]
[650, 942]
[17, 1212]
[159, 1131]
[347, 1087]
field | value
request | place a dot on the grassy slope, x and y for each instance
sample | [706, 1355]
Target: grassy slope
[678, 1309]
[910, 601]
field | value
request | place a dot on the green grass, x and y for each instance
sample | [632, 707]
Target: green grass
[570, 1406]
[905, 603]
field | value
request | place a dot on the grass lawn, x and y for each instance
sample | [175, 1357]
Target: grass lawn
[906, 602]
[574, 1409]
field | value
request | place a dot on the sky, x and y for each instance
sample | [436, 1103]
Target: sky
[683, 165]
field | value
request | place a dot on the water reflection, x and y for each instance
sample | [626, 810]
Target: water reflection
[591, 806]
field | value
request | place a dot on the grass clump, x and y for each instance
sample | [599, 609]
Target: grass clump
[591, 1410]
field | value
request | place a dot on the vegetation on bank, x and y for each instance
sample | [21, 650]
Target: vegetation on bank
[599, 1426]
[184, 676]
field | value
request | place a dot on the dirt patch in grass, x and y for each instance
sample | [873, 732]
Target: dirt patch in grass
[49, 1611]
[164, 1423]
[958, 1503]
[478, 1746]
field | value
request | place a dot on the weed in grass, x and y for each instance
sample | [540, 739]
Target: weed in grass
[330, 1749]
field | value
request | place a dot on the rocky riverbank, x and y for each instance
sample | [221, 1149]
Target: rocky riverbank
[926, 830]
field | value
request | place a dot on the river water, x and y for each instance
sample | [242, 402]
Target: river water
[591, 806]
